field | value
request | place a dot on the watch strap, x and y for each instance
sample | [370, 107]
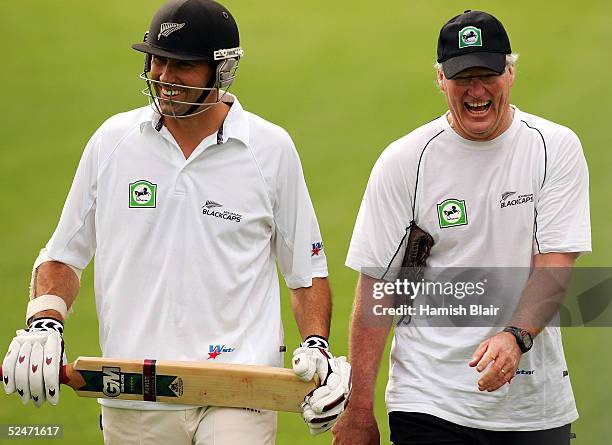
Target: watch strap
[519, 335]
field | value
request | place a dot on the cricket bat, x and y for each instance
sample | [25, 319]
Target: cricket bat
[190, 383]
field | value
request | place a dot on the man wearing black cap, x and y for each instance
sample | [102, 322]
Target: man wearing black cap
[485, 185]
[188, 206]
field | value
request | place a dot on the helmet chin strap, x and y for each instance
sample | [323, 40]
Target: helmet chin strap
[203, 96]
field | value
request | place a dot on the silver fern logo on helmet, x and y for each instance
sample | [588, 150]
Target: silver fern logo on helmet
[168, 28]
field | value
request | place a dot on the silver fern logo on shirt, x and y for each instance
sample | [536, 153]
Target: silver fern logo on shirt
[509, 199]
[212, 204]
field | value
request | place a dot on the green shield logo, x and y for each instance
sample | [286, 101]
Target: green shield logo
[143, 194]
[470, 36]
[451, 213]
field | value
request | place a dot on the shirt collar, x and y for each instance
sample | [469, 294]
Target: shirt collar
[235, 126]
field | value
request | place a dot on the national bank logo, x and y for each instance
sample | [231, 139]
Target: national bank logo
[143, 194]
[470, 36]
[451, 213]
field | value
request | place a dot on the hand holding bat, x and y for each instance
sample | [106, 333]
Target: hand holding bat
[190, 383]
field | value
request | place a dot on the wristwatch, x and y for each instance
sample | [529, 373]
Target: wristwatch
[522, 336]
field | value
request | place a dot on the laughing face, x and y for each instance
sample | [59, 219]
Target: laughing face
[180, 73]
[479, 102]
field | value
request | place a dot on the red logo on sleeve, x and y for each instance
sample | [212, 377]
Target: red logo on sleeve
[316, 248]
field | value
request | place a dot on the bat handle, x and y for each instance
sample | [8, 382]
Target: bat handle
[68, 376]
[71, 377]
[64, 374]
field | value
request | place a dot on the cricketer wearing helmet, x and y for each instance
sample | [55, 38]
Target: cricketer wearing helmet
[485, 188]
[189, 205]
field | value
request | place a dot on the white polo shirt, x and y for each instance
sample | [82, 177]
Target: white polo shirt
[186, 250]
[486, 204]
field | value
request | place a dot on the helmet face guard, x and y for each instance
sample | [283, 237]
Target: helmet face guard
[193, 30]
[225, 73]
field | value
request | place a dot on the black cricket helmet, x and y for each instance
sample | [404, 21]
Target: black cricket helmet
[194, 30]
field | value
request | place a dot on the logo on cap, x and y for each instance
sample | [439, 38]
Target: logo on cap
[168, 28]
[470, 36]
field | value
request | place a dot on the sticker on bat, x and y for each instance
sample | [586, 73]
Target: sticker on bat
[111, 381]
[177, 387]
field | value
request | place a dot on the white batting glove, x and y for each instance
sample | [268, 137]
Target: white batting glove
[322, 407]
[32, 364]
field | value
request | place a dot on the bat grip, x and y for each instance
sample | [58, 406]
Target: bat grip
[68, 376]
[71, 377]
[64, 371]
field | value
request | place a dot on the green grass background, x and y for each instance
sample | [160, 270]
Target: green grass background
[345, 78]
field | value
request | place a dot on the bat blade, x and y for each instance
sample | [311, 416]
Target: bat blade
[191, 383]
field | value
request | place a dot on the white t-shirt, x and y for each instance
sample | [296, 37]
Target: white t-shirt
[486, 204]
[186, 250]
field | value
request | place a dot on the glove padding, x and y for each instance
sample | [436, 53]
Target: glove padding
[322, 407]
[32, 364]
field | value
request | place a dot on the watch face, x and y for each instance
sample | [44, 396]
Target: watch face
[526, 337]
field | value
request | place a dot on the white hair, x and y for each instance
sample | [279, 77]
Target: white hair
[511, 60]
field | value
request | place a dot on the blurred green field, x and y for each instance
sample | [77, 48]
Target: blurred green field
[345, 79]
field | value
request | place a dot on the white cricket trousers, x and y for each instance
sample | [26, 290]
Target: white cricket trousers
[197, 426]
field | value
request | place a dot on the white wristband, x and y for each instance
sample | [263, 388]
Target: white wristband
[45, 303]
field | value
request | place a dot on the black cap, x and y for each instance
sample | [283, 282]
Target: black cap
[190, 30]
[473, 39]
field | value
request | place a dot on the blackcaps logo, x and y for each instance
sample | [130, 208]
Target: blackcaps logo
[470, 36]
[143, 194]
[168, 28]
[209, 209]
[508, 199]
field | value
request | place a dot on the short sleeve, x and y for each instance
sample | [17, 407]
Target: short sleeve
[384, 217]
[563, 221]
[74, 239]
[297, 241]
